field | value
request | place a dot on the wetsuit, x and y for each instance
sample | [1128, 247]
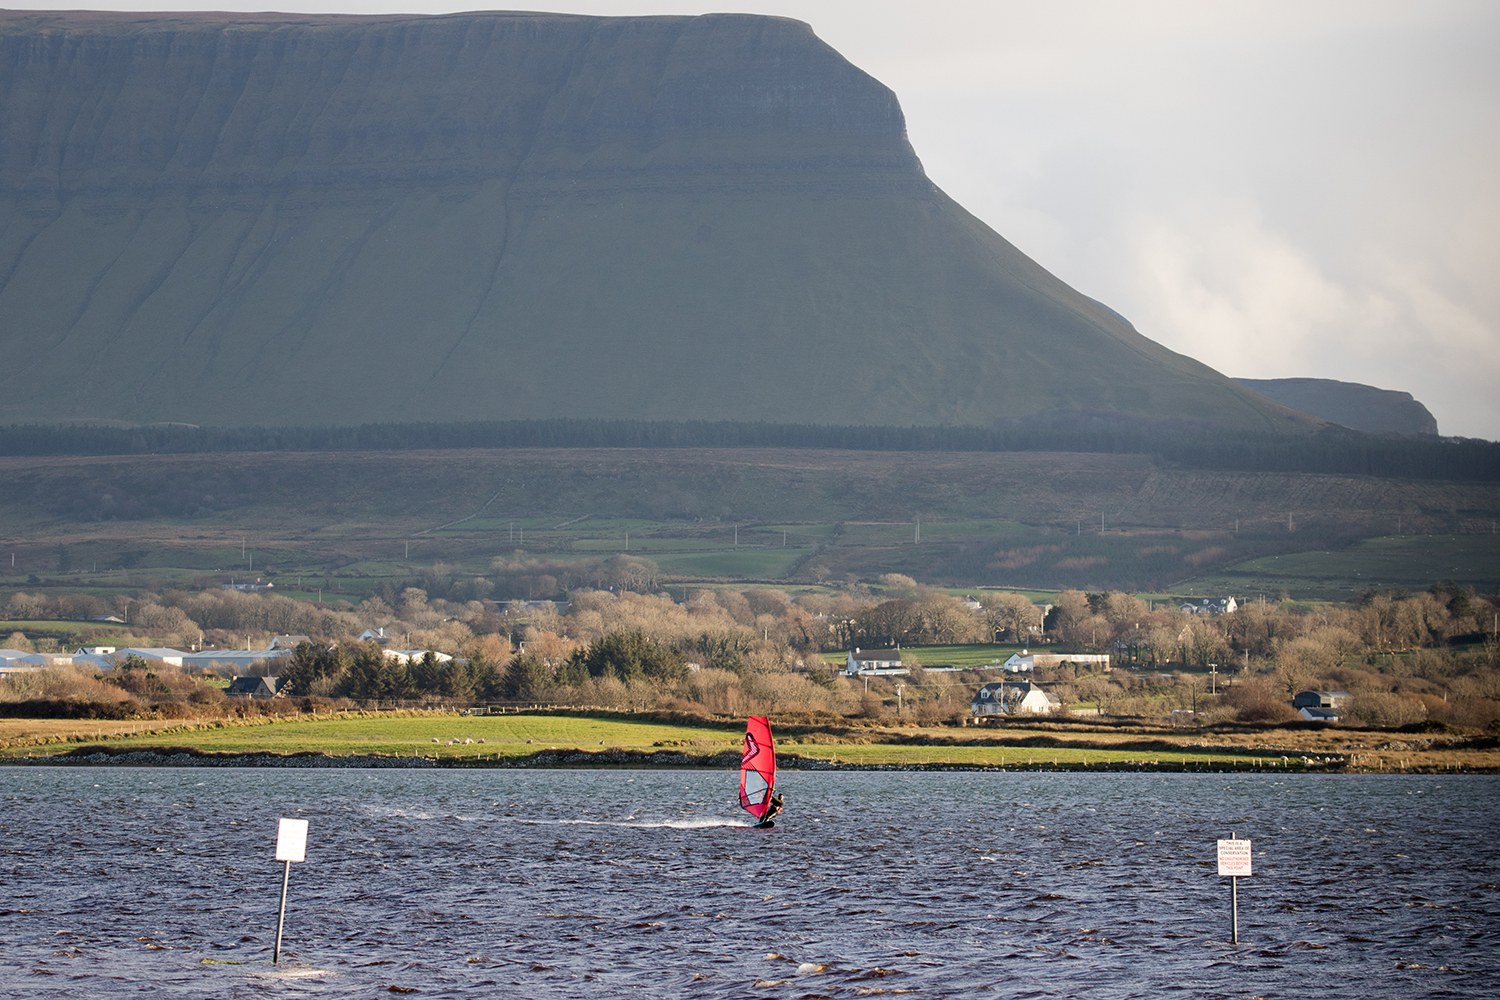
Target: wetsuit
[772, 810]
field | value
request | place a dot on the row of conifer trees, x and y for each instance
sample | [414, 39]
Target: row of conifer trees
[363, 672]
[1333, 450]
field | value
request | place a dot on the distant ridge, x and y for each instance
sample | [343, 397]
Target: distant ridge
[1350, 404]
[268, 219]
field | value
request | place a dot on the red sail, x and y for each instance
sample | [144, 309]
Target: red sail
[757, 767]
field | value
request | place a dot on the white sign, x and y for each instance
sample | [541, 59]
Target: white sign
[1234, 857]
[291, 840]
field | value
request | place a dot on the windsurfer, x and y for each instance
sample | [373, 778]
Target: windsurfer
[773, 809]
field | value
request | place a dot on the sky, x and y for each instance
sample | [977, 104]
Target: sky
[1277, 189]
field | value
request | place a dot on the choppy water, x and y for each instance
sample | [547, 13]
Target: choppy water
[117, 882]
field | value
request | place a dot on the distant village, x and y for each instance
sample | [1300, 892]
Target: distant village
[256, 673]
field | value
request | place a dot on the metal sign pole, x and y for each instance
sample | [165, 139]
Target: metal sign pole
[1234, 861]
[291, 845]
[1234, 903]
[281, 917]
[1234, 909]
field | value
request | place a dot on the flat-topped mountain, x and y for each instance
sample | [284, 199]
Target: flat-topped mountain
[1351, 404]
[281, 219]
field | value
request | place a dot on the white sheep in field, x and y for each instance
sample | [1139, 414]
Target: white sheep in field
[436, 740]
[467, 741]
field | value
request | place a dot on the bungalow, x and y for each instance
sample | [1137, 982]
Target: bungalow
[870, 661]
[288, 642]
[254, 687]
[1013, 697]
[374, 635]
[1024, 662]
[1319, 714]
[93, 650]
[244, 585]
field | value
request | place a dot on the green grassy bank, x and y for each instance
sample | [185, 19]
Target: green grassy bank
[498, 737]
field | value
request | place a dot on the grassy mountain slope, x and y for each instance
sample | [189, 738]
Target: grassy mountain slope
[1010, 519]
[237, 219]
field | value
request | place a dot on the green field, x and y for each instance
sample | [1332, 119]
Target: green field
[347, 523]
[752, 564]
[518, 735]
[1414, 562]
[60, 627]
[508, 735]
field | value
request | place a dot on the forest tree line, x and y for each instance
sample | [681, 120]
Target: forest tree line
[1330, 450]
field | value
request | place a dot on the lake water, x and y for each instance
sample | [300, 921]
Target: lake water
[118, 882]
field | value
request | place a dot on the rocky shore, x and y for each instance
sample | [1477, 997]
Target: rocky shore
[179, 756]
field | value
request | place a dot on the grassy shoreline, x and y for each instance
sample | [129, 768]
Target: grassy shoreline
[514, 739]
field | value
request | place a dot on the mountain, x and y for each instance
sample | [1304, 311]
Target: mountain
[1360, 407]
[240, 219]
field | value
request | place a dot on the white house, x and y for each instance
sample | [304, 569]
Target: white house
[1012, 698]
[288, 642]
[1211, 606]
[1024, 662]
[870, 661]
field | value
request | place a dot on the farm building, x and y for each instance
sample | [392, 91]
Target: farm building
[1321, 699]
[237, 660]
[1025, 662]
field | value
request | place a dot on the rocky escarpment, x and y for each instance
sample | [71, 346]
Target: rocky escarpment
[1361, 407]
[284, 219]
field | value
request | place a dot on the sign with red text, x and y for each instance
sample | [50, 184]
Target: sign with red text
[1234, 857]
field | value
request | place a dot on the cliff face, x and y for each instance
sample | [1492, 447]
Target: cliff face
[279, 219]
[1361, 407]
